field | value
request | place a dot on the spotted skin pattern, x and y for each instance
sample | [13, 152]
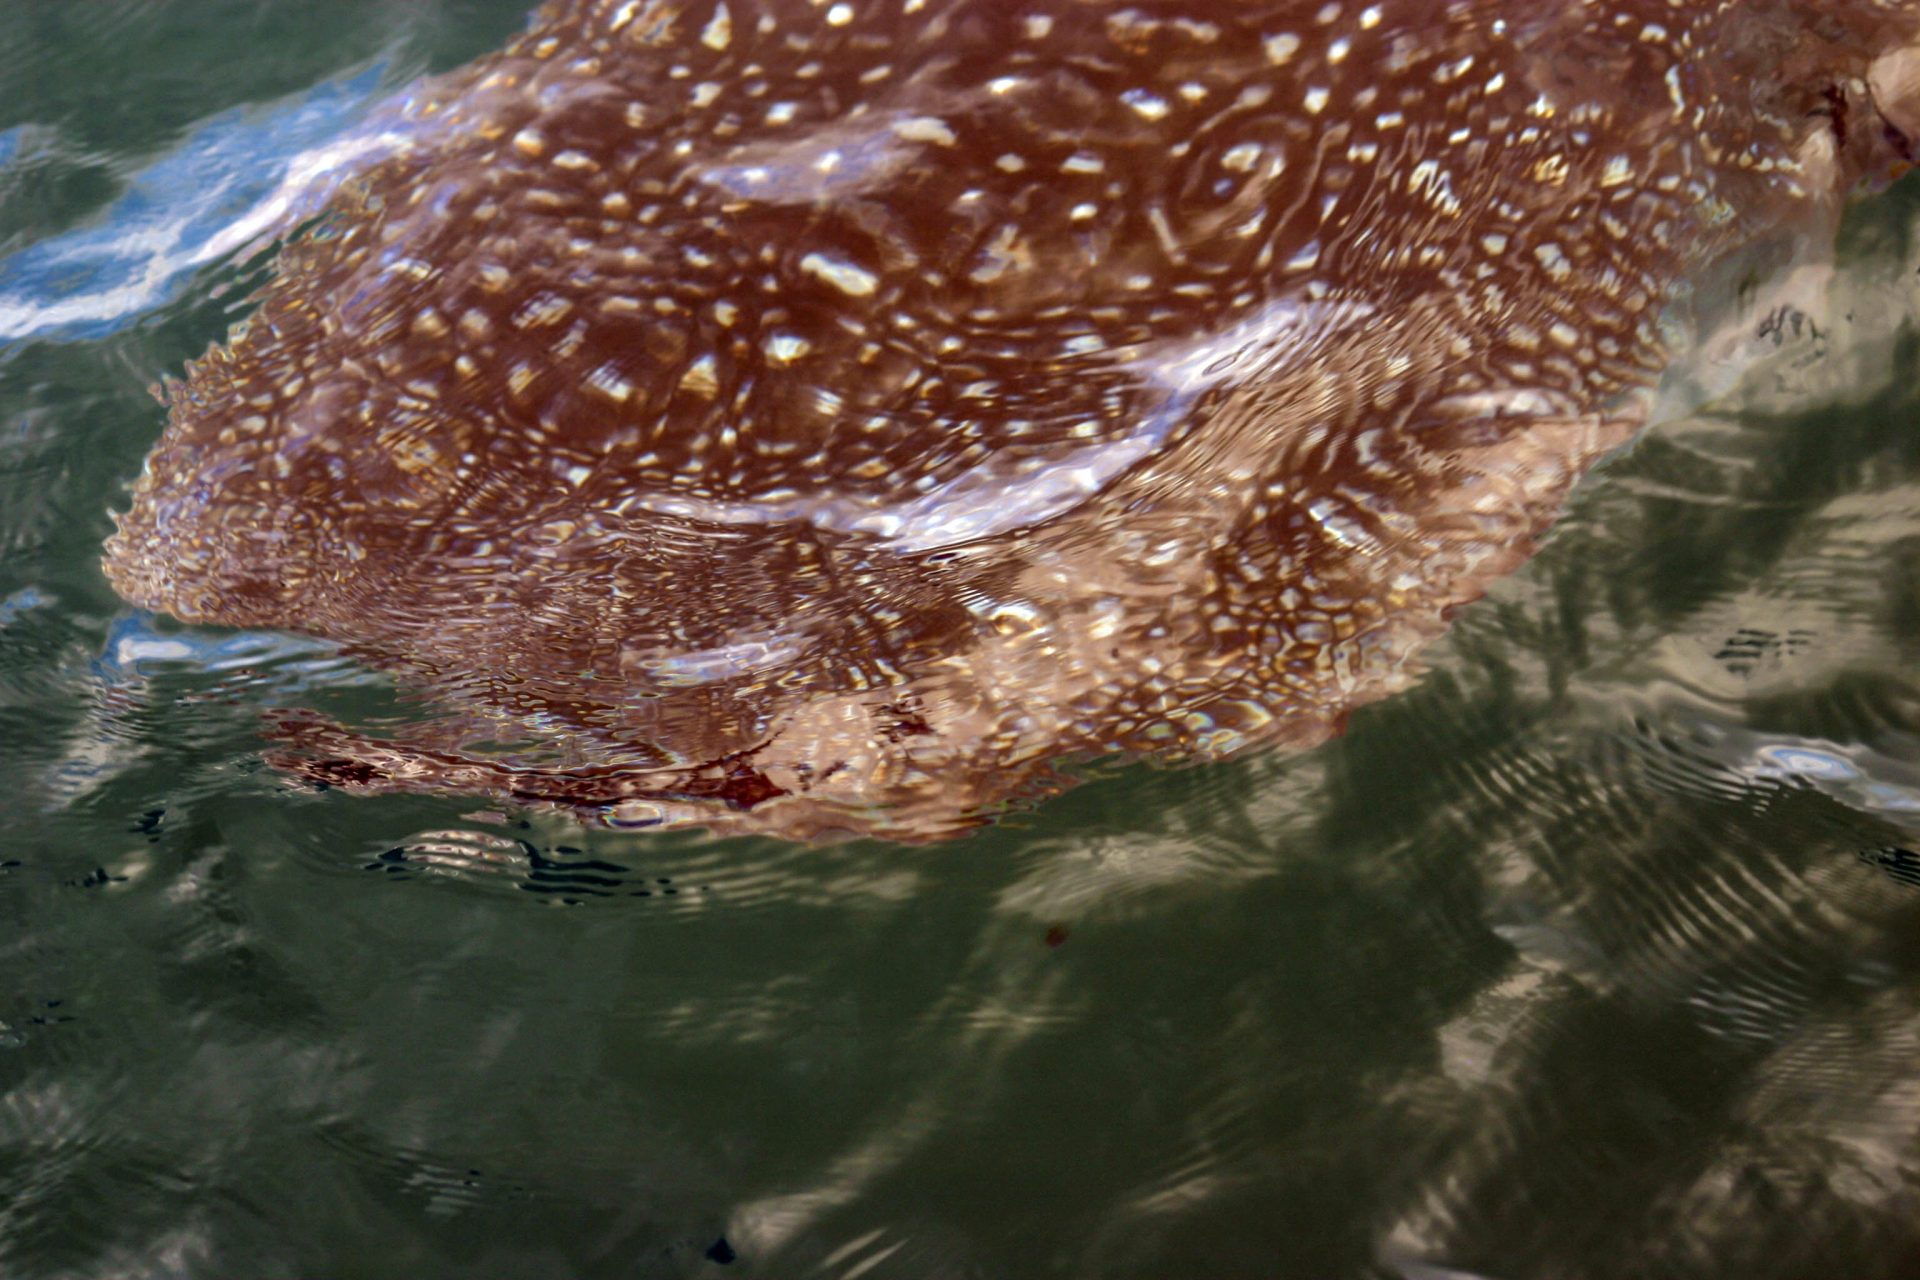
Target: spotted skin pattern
[825, 418]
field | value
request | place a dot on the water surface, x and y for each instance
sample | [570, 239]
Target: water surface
[1592, 955]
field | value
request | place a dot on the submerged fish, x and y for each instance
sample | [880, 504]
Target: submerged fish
[829, 417]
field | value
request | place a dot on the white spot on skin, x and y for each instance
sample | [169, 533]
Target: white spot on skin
[718, 33]
[1242, 158]
[840, 15]
[1147, 105]
[842, 275]
[1674, 91]
[1316, 101]
[785, 348]
[702, 378]
[1281, 48]
[925, 129]
[608, 382]
[1436, 184]
[542, 310]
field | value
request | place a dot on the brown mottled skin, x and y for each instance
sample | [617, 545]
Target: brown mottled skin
[823, 418]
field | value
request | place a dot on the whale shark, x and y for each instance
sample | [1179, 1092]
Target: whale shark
[850, 417]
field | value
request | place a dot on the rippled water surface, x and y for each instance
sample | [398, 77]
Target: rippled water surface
[1593, 954]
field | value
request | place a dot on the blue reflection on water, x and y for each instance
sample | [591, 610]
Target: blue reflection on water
[21, 601]
[1802, 762]
[240, 178]
[1857, 776]
[134, 649]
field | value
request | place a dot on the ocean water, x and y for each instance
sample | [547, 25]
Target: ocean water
[1594, 954]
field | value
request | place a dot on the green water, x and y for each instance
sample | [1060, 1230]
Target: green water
[1594, 955]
